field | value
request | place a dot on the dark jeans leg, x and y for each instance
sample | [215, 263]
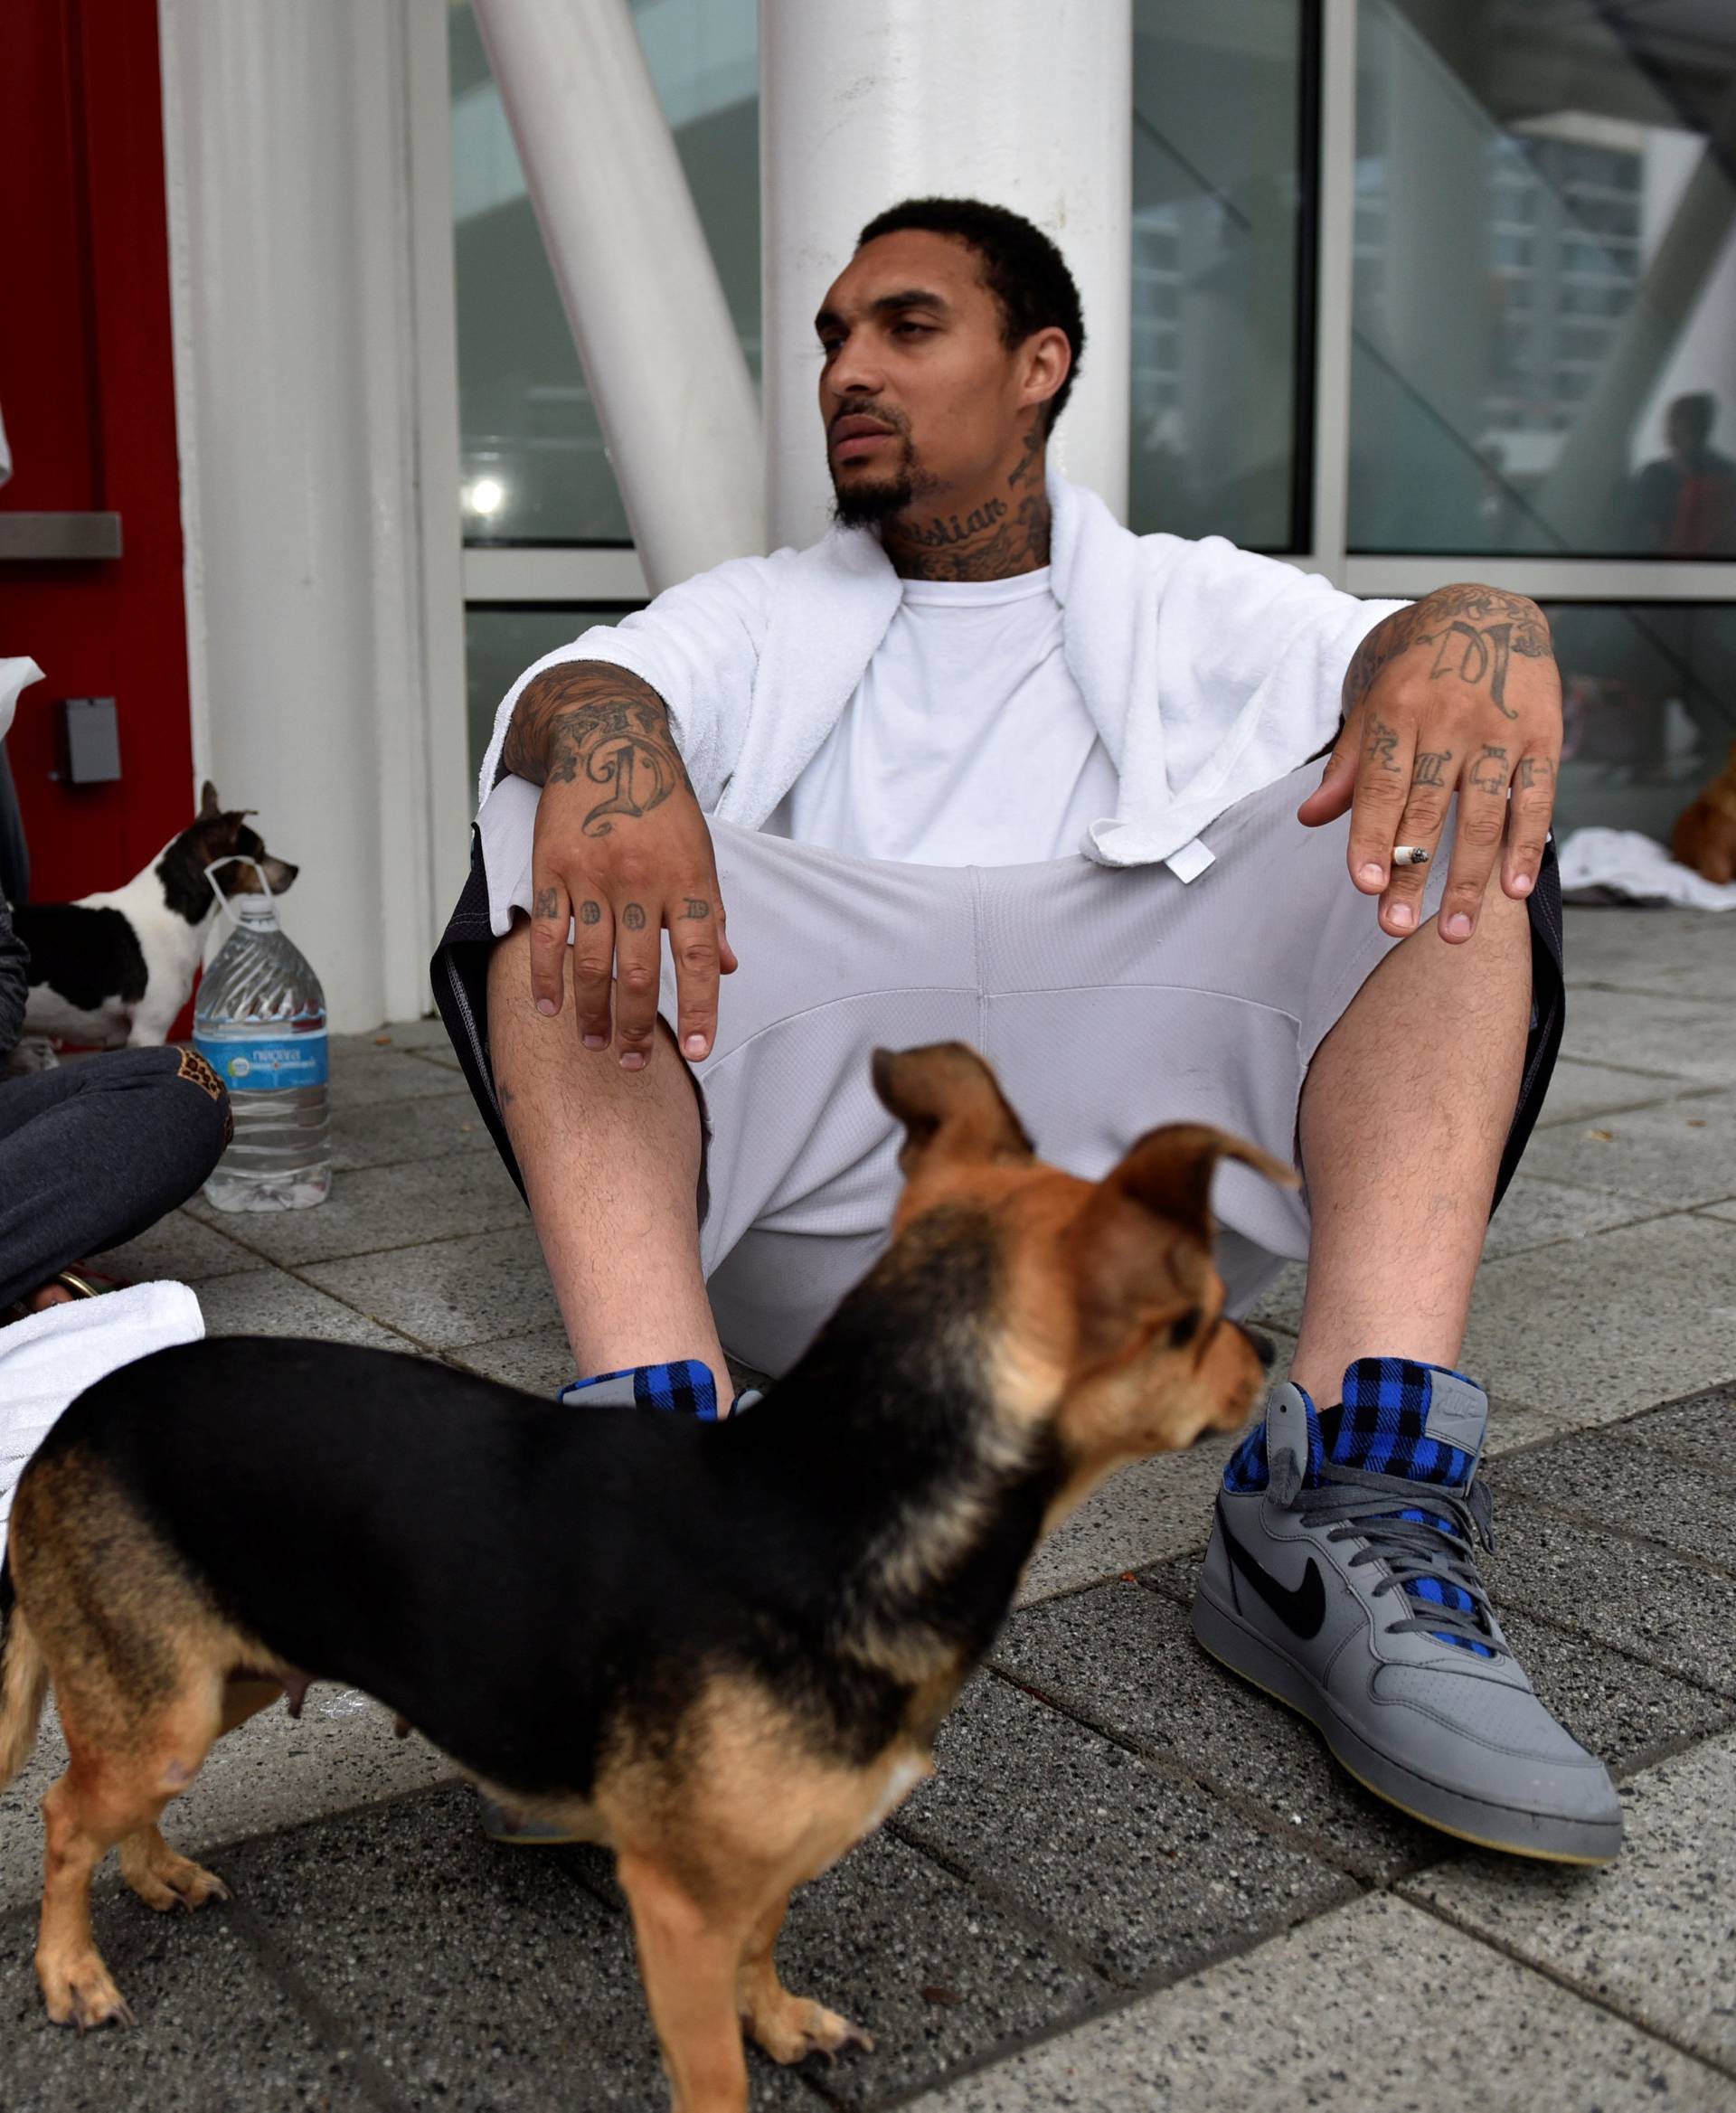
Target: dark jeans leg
[93, 1152]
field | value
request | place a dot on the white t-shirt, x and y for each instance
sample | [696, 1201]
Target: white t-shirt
[966, 743]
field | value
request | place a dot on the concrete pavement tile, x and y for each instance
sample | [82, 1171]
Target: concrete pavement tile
[1279, 1306]
[1654, 1934]
[179, 1246]
[452, 1292]
[541, 1362]
[1612, 1476]
[1538, 1213]
[214, 2030]
[1667, 1612]
[443, 1055]
[365, 1074]
[1153, 1508]
[1375, 2005]
[1578, 1090]
[377, 1207]
[1595, 1327]
[479, 1977]
[1700, 1430]
[271, 1302]
[1673, 1156]
[1673, 1034]
[1671, 952]
[273, 1772]
[446, 1126]
[1622, 1711]
[1125, 1658]
[420, 1034]
[1147, 1874]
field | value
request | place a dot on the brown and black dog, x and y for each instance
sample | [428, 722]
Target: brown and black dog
[1705, 837]
[720, 1649]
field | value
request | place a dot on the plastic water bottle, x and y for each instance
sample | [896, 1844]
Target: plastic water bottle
[259, 1023]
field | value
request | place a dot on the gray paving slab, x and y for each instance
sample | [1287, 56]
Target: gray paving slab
[214, 2030]
[1537, 1213]
[1669, 952]
[441, 1054]
[365, 1073]
[1671, 1156]
[540, 1361]
[424, 1034]
[1702, 1429]
[388, 1132]
[1375, 2005]
[1654, 1935]
[177, 1246]
[1153, 1508]
[1686, 1038]
[273, 1772]
[1624, 1709]
[271, 1302]
[1672, 1613]
[1614, 1478]
[1595, 1327]
[1145, 1872]
[1579, 1089]
[1124, 1658]
[451, 1292]
[377, 1207]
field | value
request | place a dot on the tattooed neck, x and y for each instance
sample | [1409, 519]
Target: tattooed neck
[1003, 535]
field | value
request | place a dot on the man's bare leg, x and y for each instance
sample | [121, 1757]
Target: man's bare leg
[610, 1159]
[1404, 1113]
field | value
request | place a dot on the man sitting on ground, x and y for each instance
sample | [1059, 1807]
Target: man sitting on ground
[983, 765]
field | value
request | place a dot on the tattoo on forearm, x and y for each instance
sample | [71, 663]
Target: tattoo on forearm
[593, 722]
[1474, 630]
[697, 908]
[632, 918]
[1430, 763]
[1382, 746]
[1489, 772]
[546, 900]
[1535, 770]
[591, 913]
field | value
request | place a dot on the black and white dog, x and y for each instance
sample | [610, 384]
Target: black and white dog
[114, 969]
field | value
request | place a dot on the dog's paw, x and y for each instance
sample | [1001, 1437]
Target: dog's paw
[79, 1993]
[168, 1881]
[797, 2028]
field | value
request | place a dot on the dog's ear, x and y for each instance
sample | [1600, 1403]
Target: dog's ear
[947, 1099]
[1142, 1245]
[210, 806]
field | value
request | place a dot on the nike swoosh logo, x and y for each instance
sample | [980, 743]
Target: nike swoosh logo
[1301, 1608]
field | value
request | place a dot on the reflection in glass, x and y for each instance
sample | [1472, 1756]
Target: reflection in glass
[1648, 695]
[534, 468]
[1544, 308]
[500, 642]
[1217, 368]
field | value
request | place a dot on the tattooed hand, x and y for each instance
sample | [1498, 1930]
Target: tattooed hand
[621, 850]
[1458, 694]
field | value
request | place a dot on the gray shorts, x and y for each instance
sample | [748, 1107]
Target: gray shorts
[1107, 999]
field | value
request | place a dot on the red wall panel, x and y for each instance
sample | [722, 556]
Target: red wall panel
[87, 387]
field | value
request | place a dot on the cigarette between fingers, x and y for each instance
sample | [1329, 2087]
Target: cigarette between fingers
[1409, 854]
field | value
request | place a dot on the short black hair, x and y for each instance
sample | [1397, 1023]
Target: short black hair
[1022, 267]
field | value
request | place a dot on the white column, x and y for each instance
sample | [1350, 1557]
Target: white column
[641, 295]
[1022, 103]
[298, 386]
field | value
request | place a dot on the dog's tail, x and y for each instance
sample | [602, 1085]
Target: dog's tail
[23, 1682]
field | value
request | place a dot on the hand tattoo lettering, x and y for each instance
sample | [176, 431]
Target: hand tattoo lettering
[1489, 772]
[1535, 770]
[591, 913]
[697, 908]
[1382, 745]
[593, 722]
[1474, 630]
[546, 900]
[632, 918]
[1429, 764]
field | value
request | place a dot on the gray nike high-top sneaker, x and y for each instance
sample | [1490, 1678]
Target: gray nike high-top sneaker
[1342, 1578]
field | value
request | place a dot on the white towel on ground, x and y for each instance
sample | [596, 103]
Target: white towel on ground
[47, 1361]
[1639, 866]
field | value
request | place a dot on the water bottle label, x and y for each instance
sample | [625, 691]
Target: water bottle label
[269, 1064]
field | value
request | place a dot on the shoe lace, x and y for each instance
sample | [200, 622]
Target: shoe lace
[1440, 1549]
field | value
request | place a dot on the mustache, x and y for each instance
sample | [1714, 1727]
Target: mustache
[868, 409]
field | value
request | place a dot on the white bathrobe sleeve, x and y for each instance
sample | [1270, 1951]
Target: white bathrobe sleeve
[698, 645]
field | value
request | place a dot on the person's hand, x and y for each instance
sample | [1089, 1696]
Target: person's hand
[1458, 694]
[621, 850]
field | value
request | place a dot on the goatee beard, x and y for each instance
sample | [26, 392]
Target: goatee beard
[865, 506]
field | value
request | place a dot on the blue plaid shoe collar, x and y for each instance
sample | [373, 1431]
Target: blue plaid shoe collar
[683, 1387]
[1421, 1422]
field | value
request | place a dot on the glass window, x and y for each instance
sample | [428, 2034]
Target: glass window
[502, 640]
[1486, 416]
[1219, 362]
[535, 467]
[1649, 693]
